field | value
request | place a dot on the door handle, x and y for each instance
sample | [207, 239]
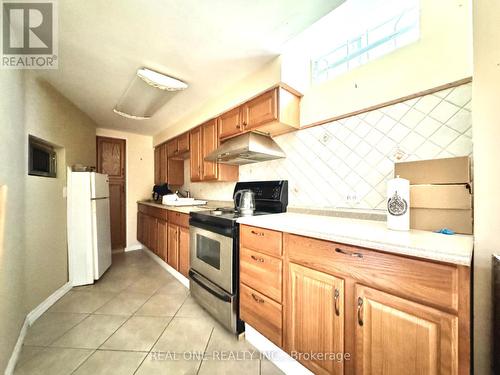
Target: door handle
[260, 234]
[350, 253]
[360, 311]
[257, 299]
[257, 259]
[336, 297]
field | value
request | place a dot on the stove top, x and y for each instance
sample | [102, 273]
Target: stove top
[228, 213]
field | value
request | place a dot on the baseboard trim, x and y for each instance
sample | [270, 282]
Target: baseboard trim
[45, 305]
[31, 318]
[16, 352]
[133, 248]
[274, 354]
[179, 276]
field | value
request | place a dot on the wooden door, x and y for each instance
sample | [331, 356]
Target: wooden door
[261, 110]
[173, 246]
[162, 238]
[195, 154]
[175, 172]
[153, 234]
[184, 251]
[210, 141]
[111, 160]
[315, 317]
[230, 123]
[397, 336]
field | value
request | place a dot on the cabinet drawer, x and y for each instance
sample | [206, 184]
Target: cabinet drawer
[178, 218]
[159, 213]
[422, 281]
[261, 272]
[261, 313]
[262, 240]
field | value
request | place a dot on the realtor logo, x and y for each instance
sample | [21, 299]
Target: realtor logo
[29, 34]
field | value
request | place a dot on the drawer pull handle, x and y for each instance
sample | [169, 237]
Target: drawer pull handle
[260, 234]
[351, 253]
[257, 259]
[257, 299]
[336, 296]
[360, 311]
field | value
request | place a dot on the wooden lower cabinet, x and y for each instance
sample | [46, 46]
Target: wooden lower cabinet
[314, 327]
[397, 336]
[173, 246]
[162, 236]
[184, 251]
[369, 311]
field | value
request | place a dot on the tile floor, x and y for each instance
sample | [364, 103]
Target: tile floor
[137, 319]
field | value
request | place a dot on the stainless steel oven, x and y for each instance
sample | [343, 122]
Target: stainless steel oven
[212, 256]
[214, 251]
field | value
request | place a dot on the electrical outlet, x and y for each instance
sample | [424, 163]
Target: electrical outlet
[352, 198]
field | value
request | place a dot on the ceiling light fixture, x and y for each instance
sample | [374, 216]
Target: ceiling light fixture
[148, 91]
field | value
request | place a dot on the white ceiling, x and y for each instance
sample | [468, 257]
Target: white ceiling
[208, 44]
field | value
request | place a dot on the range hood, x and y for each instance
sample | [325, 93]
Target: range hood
[245, 149]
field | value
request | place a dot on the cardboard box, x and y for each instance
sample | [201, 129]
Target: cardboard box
[460, 221]
[437, 171]
[456, 196]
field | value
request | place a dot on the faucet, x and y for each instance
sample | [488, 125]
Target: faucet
[186, 194]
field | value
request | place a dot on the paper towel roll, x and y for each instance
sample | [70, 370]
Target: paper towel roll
[398, 204]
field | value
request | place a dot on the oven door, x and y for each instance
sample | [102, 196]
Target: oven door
[211, 255]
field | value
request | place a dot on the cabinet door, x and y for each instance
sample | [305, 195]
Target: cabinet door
[173, 246]
[210, 141]
[172, 147]
[397, 336]
[163, 164]
[162, 239]
[184, 251]
[157, 165]
[315, 318]
[140, 226]
[230, 123]
[175, 172]
[153, 234]
[183, 143]
[261, 110]
[195, 155]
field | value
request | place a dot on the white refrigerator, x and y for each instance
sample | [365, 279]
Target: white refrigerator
[89, 232]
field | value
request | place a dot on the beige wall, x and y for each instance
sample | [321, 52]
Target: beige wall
[262, 79]
[442, 55]
[140, 176]
[50, 116]
[12, 254]
[486, 137]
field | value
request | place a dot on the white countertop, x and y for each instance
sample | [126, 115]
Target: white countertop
[456, 249]
[181, 209]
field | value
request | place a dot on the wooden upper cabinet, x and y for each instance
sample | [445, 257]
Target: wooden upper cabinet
[396, 336]
[172, 148]
[183, 143]
[111, 157]
[261, 110]
[210, 141]
[314, 308]
[157, 165]
[230, 123]
[175, 172]
[275, 112]
[163, 164]
[195, 154]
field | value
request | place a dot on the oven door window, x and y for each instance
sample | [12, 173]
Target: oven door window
[208, 251]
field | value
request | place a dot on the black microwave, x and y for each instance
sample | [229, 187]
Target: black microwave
[42, 158]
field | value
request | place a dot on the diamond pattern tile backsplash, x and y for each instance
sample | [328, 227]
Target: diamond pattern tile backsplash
[346, 163]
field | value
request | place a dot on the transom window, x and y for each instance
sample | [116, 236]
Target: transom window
[372, 29]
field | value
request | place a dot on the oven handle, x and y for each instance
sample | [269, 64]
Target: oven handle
[193, 276]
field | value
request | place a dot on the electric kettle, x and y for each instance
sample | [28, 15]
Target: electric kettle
[245, 205]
